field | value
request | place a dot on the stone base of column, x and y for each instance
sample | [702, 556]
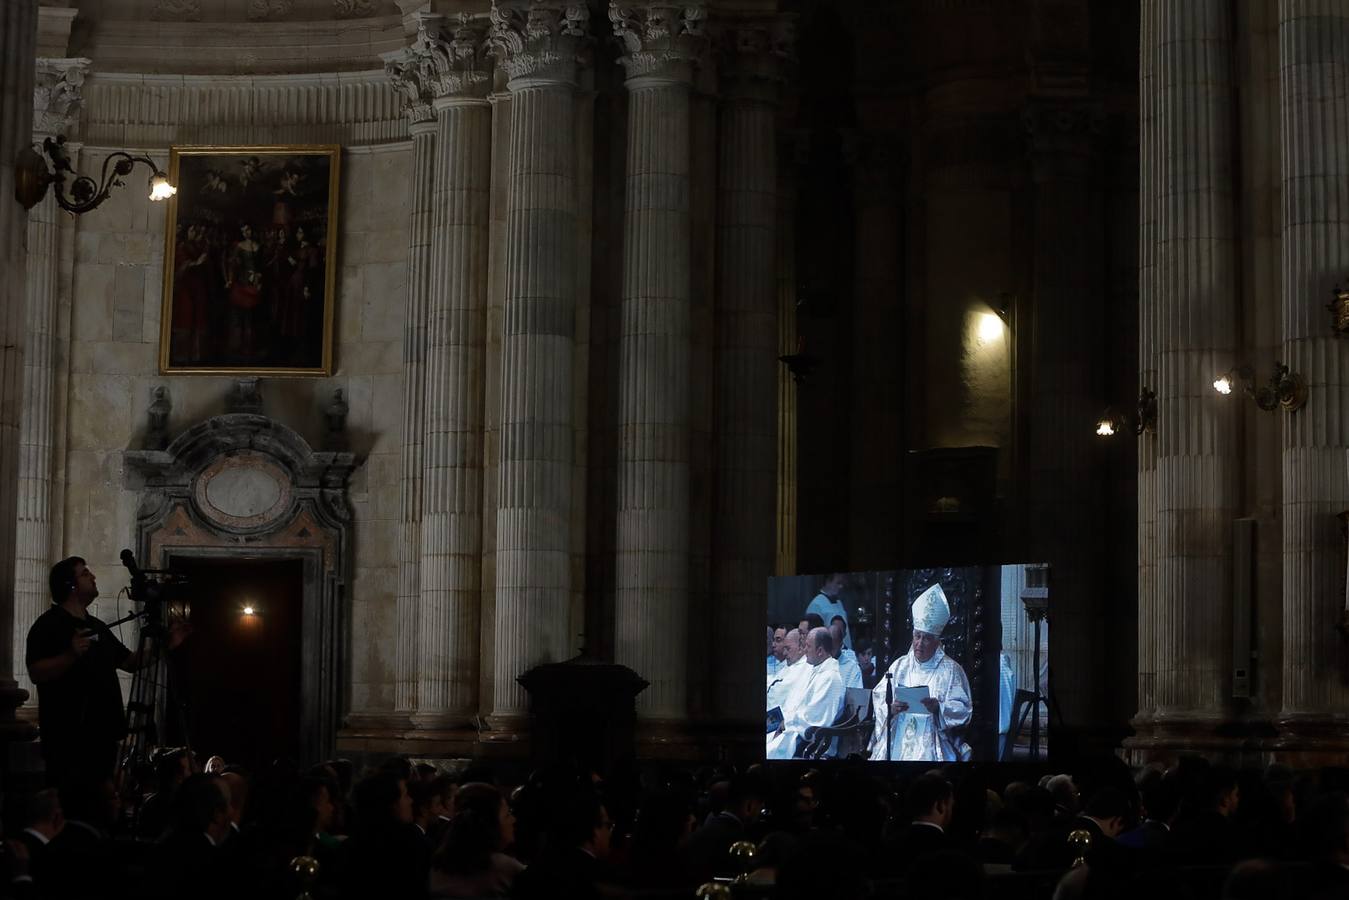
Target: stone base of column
[406, 735]
[1238, 742]
[1311, 740]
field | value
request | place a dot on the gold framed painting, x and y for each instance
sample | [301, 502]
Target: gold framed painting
[250, 261]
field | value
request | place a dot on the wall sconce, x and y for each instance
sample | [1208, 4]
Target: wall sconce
[1339, 311]
[1144, 418]
[31, 178]
[1284, 389]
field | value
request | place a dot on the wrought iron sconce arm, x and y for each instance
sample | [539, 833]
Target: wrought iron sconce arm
[32, 177]
[1285, 389]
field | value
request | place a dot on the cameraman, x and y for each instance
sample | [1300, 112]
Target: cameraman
[73, 660]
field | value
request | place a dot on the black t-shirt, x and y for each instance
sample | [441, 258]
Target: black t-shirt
[85, 703]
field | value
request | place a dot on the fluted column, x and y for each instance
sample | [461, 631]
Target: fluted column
[18, 36]
[661, 48]
[1148, 189]
[745, 359]
[443, 475]
[540, 46]
[1314, 68]
[56, 99]
[406, 74]
[1195, 304]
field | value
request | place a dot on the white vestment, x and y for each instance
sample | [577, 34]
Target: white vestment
[815, 702]
[915, 736]
[827, 609]
[774, 664]
[780, 685]
[849, 670]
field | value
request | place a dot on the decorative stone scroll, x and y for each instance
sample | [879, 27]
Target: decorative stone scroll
[659, 39]
[448, 58]
[543, 40]
[57, 94]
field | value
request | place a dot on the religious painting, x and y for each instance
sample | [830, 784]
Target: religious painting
[250, 261]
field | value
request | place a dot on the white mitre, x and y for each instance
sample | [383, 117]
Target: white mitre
[931, 612]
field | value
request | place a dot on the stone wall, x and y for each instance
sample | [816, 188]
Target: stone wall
[115, 302]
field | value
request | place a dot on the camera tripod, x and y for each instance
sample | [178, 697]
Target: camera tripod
[153, 679]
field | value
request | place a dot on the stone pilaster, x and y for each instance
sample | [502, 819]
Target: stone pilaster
[662, 45]
[415, 81]
[1195, 308]
[442, 486]
[56, 100]
[1314, 65]
[745, 356]
[542, 48]
[1148, 190]
[18, 37]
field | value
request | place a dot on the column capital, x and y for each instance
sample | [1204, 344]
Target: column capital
[661, 41]
[446, 60]
[57, 94]
[540, 41]
[755, 55]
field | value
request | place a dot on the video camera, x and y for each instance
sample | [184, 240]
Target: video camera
[154, 590]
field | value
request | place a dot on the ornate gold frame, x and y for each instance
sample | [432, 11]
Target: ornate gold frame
[334, 153]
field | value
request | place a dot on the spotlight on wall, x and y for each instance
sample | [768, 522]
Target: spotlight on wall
[250, 611]
[1284, 389]
[1142, 419]
[32, 177]
[990, 327]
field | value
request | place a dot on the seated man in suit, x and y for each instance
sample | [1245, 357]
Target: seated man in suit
[578, 844]
[929, 802]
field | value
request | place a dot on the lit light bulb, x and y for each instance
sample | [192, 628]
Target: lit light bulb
[248, 610]
[990, 327]
[1105, 428]
[160, 189]
[1223, 384]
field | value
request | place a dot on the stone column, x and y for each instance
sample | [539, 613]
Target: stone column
[540, 45]
[661, 48]
[56, 99]
[1314, 67]
[1194, 302]
[406, 71]
[1149, 132]
[443, 483]
[18, 37]
[745, 360]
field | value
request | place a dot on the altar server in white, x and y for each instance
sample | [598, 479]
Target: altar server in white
[847, 660]
[794, 669]
[924, 734]
[816, 701]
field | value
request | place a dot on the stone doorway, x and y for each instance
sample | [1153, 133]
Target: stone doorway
[243, 487]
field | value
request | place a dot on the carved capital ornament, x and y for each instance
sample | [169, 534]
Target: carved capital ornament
[660, 40]
[447, 60]
[540, 41]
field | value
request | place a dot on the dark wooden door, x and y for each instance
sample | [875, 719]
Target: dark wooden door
[239, 672]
